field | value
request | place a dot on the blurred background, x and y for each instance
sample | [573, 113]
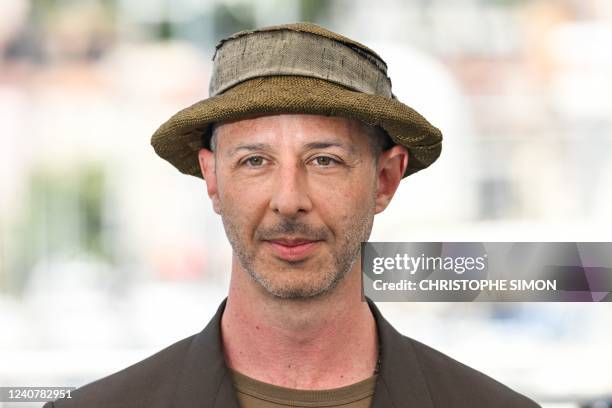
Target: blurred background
[108, 254]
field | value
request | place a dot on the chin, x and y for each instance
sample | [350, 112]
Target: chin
[291, 289]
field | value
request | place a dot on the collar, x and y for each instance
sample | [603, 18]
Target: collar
[205, 380]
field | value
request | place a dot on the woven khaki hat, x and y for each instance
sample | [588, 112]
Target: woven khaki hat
[296, 68]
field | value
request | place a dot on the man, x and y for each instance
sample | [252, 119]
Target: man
[301, 143]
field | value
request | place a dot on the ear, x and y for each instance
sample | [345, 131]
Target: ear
[392, 165]
[206, 159]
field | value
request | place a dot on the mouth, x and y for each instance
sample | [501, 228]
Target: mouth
[293, 249]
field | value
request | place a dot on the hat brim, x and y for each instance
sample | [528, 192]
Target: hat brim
[180, 138]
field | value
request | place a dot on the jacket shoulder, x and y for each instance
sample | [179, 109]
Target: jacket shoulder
[146, 383]
[452, 383]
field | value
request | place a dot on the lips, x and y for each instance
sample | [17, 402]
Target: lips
[295, 249]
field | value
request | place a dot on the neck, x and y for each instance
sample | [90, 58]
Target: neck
[320, 343]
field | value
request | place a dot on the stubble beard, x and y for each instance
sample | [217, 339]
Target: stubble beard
[324, 272]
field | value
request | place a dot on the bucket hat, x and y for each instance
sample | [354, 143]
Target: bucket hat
[296, 68]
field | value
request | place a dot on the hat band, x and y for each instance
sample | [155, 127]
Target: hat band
[288, 52]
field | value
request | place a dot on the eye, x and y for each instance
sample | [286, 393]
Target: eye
[325, 161]
[254, 161]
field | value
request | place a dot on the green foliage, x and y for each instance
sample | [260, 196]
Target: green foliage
[231, 18]
[314, 10]
[63, 216]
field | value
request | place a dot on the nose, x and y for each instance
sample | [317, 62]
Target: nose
[290, 197]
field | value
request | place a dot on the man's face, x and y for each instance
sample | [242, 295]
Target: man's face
[297, 196]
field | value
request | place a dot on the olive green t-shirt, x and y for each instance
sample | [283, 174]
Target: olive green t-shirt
[252, 393]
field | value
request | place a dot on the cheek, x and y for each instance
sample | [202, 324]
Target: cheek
[242, 202]
[342, 205]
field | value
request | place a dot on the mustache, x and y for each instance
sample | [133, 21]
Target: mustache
[291, 227]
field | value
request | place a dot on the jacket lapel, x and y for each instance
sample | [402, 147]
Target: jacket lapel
[401, 382]
[205, 380]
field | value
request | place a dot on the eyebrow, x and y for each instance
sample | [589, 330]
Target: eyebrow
[249, 147]
[326, 144]
[308, 146]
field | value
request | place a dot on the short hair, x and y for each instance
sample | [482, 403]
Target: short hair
[378, 138]
[212, 143]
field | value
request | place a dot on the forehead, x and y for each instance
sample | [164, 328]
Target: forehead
[300, 128]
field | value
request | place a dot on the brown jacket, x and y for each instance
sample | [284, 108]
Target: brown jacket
[192, 373]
